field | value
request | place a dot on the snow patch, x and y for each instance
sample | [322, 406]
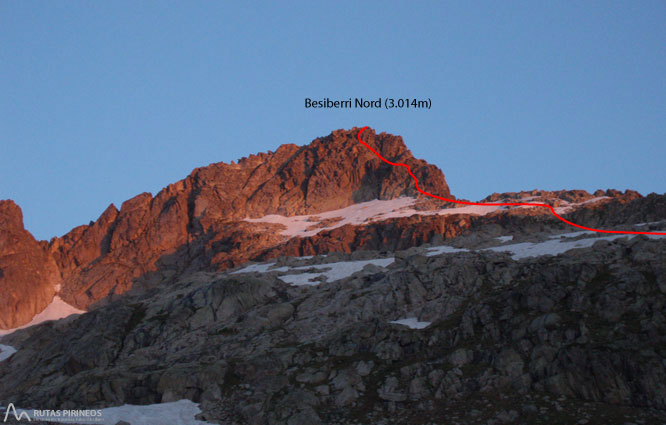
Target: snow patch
[593, 200]
[443, 249]
[176, 412]
[309, 225]
[504, 238]
[568, 207]
[181, 412]
[336, 271]
[330, 271]
[648, 223]
[412, 323]
[266, 267]
[358, 214]
[573, 234]
[257, 268]
[303, 279]
[57, 309]
[557, 246]
[378, 210]
[6, 351]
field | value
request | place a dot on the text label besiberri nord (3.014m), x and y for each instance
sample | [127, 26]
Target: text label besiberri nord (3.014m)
[368, 103]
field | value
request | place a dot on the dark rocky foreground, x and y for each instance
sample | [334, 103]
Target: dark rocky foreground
[573, 339]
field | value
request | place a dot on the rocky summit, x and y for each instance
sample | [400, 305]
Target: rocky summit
[315, 285]
[196, 223]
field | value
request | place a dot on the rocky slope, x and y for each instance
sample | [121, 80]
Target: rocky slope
[574, 338]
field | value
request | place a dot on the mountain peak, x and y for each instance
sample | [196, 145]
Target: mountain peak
[198, 221]
[11, 216]
[331, 172]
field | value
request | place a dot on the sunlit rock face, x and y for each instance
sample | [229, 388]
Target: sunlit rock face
[28, 274]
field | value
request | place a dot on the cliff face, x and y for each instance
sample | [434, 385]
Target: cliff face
[330, 173]
[336, 171]
[28, 274]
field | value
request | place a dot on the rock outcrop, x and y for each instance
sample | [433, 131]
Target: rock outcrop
[28, 274]
[331, 172]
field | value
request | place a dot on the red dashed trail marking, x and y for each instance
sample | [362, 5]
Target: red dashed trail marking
[499, 204]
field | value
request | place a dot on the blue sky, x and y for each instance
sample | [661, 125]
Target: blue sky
[104, 100]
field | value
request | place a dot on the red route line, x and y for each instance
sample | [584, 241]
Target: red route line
[518, 204]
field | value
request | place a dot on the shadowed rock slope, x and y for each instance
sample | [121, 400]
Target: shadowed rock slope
[550, 340]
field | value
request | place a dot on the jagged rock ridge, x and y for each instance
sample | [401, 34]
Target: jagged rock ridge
[197, 223]
[189, 221]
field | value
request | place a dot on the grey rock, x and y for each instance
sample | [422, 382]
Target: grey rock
[390, 390]
[510, 363]
[460, 357]
[364, 368]
[252, 349]
[546, 321]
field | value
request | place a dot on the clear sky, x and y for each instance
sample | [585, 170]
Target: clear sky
[101, 101]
